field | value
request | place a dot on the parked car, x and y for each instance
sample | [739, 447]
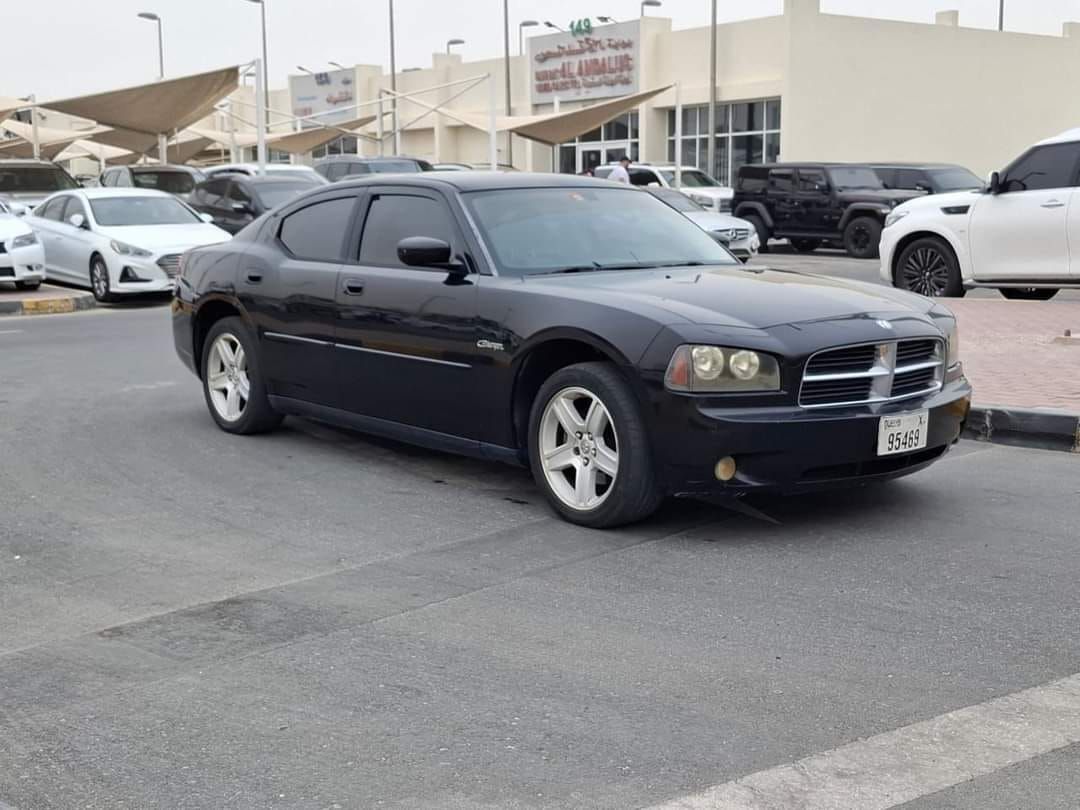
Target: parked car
[929, 178]
[737, 235]
[118, 241]
[695, 184]
[22, 258]
[581, 328]
[340, 167]
[28, 182]
[176, 180]
[1019, 235]
[451, 167]
[809, 203]
[272, 170]
[235, 201]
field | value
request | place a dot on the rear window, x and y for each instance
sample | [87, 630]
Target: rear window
[172, 182]
[394, 167]
[753, 178]
[271, 195]
[15, 179]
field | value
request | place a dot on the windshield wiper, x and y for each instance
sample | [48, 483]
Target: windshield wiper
[595, 267]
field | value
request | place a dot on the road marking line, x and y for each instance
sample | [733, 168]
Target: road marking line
[899, 766]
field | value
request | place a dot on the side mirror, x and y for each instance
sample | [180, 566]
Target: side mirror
[206, 217]
[77, 220]
[18, 209]
[241, 208]
[994, 185]
[925, 189]
[821, 187]
[423, 251]
[654, 184]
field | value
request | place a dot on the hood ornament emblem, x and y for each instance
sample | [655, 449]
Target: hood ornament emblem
[884, 324]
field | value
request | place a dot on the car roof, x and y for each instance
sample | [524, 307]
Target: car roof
[362, 159]
[225, 167]
[262, 180]
[1068, 136]
[479, 181]
[15, 162]
[105, 192]
[891, 164]
[157, 167]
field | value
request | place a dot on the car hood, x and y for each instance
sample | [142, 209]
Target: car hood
[951, 198]
[712, 221]
[713, 192]
[167, 238]
[28, 198]
[885, 196]
[11, 226]
[744, 297]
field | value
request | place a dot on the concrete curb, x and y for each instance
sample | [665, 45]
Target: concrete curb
[1042, 429]
[60, 304]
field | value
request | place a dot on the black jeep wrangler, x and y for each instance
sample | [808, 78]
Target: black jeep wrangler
[811, 203]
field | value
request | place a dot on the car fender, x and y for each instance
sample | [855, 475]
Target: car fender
[756, 209]
[876, 210]
[927, 227]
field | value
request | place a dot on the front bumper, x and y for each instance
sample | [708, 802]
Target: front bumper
[890, 237]
[130, 275]
[790, 449]
[23, 264]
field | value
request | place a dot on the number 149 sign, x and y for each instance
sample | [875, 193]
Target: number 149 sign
[581, 28]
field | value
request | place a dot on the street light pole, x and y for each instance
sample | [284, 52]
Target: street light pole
[265, 61]
[1001, 15]
[712, 94]
[649, 4]
[146, 15]
[521, 33]
[450, 43]
[506, 61]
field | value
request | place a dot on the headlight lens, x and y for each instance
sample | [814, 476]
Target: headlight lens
[26, 240]
[701, 199]
[953, 353]
[719, 369]
[894, 217]
[125, 249]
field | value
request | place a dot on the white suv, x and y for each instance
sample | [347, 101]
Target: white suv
[696, 184]
[1021, 235]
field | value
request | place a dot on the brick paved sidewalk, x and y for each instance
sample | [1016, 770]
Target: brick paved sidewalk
[1010, 357]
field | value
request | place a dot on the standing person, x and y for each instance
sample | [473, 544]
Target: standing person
[620, 173]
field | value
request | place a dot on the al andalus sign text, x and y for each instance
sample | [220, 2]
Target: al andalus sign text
[577, 66]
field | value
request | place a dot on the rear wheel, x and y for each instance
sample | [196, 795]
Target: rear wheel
[806, 245]
[861, 238]
[589, 450]
[929, 267]
[762, 231]
[27, 285]
[232, 380]
[99, 281]
[1028, 293]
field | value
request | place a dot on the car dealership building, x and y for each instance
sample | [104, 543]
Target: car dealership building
[803, 85]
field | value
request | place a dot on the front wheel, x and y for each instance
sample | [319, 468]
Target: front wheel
[232, 380]
[99, 281]
[861, 238]
[929, 267]
[589, 449]
[1028, 293]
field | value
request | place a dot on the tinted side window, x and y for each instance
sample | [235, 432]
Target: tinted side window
[910, 179]
[357, 168]
[335, 171]
[74, 206]
[393, 217]
[812, 180]
[214, 190]
[122, 179]
[888, 177]
[642, 177]
[781, 180]
[53, 209]
[1051, 166]
[317, 232]
[237, 194]
[752, 179]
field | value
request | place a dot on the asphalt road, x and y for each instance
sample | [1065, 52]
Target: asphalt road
[314, 619]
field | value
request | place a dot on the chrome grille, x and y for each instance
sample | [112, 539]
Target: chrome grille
[873, 372]
[732, 234]
[170, 264]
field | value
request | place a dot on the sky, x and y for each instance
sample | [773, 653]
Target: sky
[62, 48]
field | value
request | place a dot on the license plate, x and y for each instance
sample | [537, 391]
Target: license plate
[902, 434]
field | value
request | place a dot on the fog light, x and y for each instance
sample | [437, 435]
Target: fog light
[725, 469]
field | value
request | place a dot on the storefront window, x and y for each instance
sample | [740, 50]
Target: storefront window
[601, 146]
[747, 132]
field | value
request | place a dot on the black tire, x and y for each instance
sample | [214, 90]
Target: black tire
[256, 414]
[806, 245]
[1028, 293]
[632, 494]
[929, 267]
[861, 237]
[762, 231]
[27, 285]
[100, 285]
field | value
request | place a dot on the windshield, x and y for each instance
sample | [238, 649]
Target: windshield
[854, 177]
[172, 182]
[676, 199]
[957, 179]
[16, 179]
[115, 212]
[271, 195]
[393, 167]
[545, 230]
[691, 178]
[307, 175]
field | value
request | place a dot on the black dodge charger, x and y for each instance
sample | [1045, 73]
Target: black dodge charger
[578, 327]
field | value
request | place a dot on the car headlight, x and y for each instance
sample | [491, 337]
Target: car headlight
[26, 240]
[125, 249]
[701, 199]
[894, 217]
[721, 369]
[953, 347]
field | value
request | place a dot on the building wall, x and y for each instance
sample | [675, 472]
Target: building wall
[863, 89]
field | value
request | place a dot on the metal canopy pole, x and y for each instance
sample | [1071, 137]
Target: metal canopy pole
[493, 148]
[712, 95]
[382, 138]
[678, 136]
[33, 126]
[260, 116]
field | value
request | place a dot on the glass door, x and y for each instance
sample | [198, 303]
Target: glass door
[589, 157]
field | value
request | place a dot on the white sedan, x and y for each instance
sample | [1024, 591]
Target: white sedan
[22, 259]
[119, 241]
[737, 235]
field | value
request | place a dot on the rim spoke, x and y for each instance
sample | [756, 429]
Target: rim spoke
[244, 387]
[596, 420]
[585, 485]
[241, 358]
[225, 349]
[561, 458]
[606, 460]
[218, 381]
[232, 402]
[568, 416]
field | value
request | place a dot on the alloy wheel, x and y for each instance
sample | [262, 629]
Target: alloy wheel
[860, 238]
[99, 280]
[926, 272]
[578, 448]
[227, 377]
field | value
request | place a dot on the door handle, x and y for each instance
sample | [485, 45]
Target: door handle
[1053, 204]
[354, 286]
[254, 277]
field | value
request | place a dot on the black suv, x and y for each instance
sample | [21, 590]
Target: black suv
[810, 203]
